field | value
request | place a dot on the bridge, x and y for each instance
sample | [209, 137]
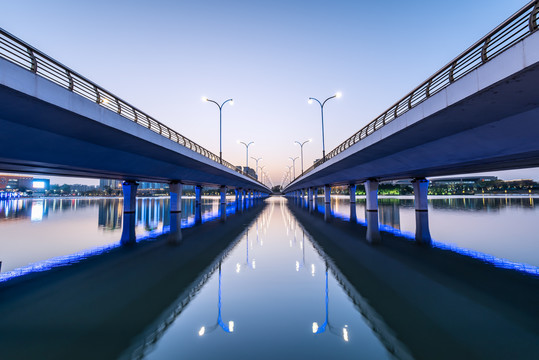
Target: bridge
[54, 121]
[477, 113]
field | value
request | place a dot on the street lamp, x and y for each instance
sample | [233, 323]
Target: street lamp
[337, 95]
[261, 170]
[294, 164]
[255, 159]
[289, 172]
[220, 123]
[246, 152]
[301, 146]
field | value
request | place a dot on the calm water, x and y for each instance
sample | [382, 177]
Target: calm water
[289, 285]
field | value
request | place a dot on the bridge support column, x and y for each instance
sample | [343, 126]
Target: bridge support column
[327, 202]
[223, 203]
[239, 202]
[422, 232]
[310, 199]
[130, 206]
[371, 192]
[353, 215]
[198, 194]
[373, 230]
[175, 235]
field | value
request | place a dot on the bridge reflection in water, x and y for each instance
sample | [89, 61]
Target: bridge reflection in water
[427, 302]
[320, 286]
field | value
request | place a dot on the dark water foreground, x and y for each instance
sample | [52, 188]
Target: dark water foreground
[112, 304]
[427, 303]
[273, 282]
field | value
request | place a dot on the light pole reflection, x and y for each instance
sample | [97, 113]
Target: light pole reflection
[248, 264]
[226, 327]
[326, 325]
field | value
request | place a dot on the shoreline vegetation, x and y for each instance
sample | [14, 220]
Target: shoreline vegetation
[492, 187]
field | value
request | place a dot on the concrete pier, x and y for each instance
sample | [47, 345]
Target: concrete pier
[310, 199]
[222, 207]
[371, 192]
[198, 194]
[327, 202]
[130, 206]
[373, 230]
[353, 214]
[421, 203]
[175, 235]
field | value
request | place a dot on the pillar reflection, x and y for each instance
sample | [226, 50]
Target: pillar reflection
[422, 232]
[175, 235]
[373, 229]
[128, 229]
[198, 214]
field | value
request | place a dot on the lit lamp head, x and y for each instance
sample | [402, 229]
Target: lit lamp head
[201, 331]
[204, 98]
[315, 327]
[338, 94]
[310, 101]
[231, 102]
[231, 326]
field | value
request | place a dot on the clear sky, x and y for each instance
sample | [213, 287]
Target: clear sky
[270, 56]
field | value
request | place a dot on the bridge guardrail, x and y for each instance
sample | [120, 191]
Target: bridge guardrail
[520, 25]
[20, 53]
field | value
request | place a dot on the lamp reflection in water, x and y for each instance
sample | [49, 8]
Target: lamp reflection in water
[227, 328]
[247, 264]
[302, 245]
[326, 325]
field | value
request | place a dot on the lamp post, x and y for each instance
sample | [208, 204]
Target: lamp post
[220, 123]
[246, 152]
[301, 147]
[337, 95]
[255, 159]
[289, 173]
[261, 170]
[294, 165]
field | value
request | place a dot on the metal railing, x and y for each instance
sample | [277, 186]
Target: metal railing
[522, 24]
[20, 53]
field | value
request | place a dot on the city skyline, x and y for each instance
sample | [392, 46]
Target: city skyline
[269, 59]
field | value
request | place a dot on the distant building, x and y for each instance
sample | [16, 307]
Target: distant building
[40, 185]
[113, 184]
[9, 183]
[469, 180]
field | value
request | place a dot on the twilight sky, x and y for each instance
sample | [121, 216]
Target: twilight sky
[163, 56]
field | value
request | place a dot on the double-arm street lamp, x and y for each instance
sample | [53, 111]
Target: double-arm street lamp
[337, 95]
[246, 152]
[220, 124]
[256, 159]
[301, 146]
[294, 165]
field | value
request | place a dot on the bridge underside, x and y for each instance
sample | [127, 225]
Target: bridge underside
[493, 129]
[71, 136]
